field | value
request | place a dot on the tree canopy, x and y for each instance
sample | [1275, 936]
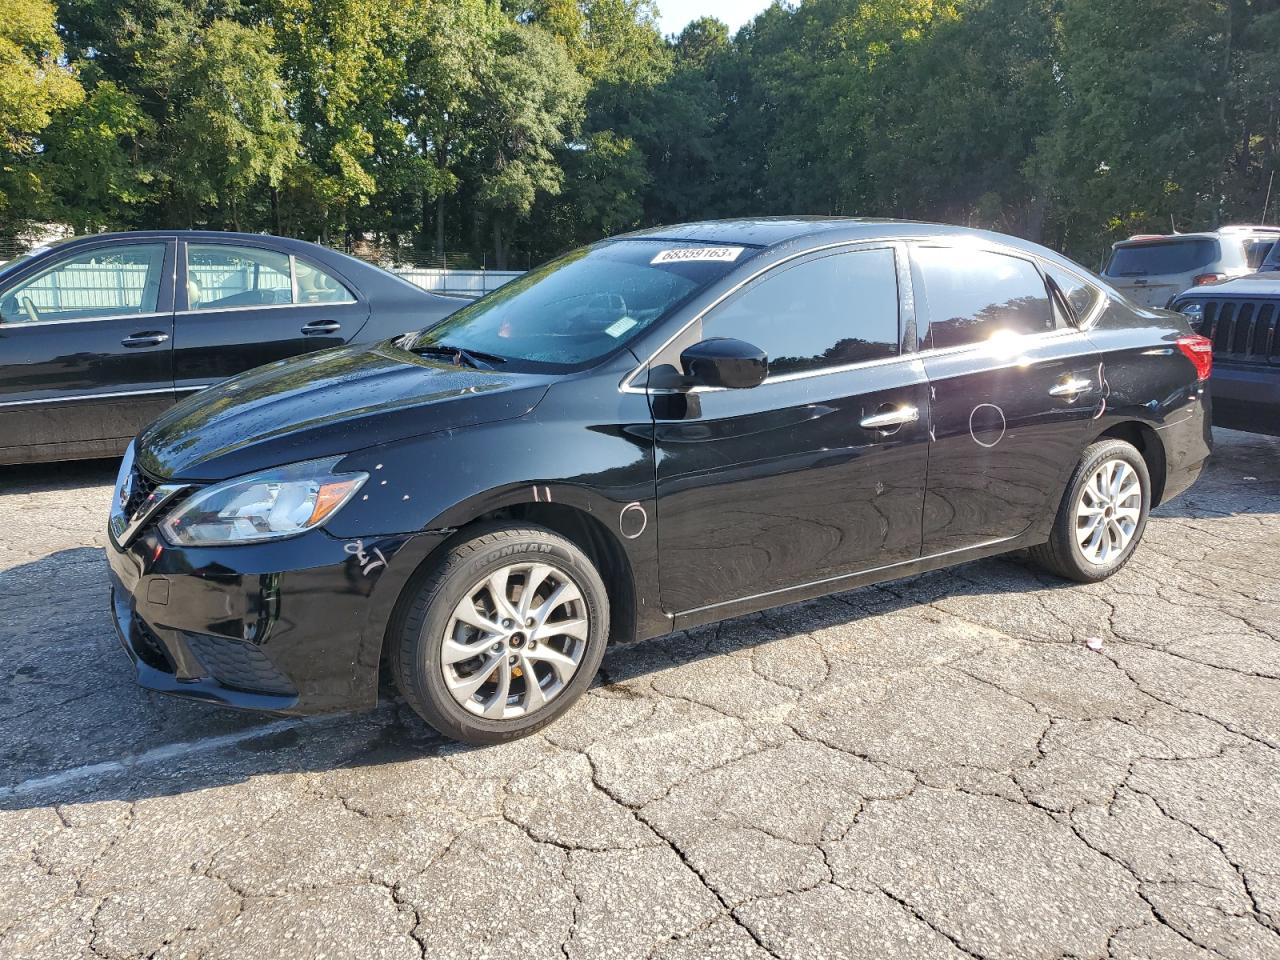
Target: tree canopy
[509, 130]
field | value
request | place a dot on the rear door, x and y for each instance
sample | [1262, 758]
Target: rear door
[792, 482]
[85, 349]
[241, 305]
[1015, 387]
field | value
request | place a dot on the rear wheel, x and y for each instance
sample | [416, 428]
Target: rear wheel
[503, 636]
[1102, 516]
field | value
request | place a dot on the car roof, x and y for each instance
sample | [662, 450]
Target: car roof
[1237, 230]
[222, 235]
[772, 231]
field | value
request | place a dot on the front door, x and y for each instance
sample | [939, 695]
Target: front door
[241, 306]
[85, 350]
[1015, 387]
[793, 482]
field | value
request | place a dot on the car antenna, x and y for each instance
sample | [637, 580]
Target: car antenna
[1266, 203]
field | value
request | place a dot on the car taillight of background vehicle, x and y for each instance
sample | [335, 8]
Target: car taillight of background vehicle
[1199, 350]
[1206, 278]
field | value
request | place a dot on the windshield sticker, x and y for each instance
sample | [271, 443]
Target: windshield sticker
[619, 327]
[689, 254]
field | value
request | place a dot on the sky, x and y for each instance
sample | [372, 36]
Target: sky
[677, 13]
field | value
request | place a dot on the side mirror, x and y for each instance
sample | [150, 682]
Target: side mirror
[723, 362]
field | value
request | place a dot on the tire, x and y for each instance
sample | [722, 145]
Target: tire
[430, 641]
[1065, 554]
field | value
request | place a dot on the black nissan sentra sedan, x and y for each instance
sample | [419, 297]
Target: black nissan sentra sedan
[661, 430]
[100, 334]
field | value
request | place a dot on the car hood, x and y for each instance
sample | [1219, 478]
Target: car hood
[323, 405]
[1251, 285]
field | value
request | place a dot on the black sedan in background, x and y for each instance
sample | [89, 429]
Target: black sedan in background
[100, 334]
[662, 430]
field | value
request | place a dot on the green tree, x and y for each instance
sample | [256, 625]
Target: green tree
[93, 160]
[34, 85]
[448, 59]
[1141, 141]
[232, 132]
[335, 56]
[528, 107]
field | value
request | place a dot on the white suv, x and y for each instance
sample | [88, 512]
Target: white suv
[1153, 269]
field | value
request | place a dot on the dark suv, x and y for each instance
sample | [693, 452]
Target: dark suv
[1242, 318]
[658, 431]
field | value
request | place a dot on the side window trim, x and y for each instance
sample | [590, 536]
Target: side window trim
[164, 296]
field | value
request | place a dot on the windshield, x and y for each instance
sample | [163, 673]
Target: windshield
[577, 309]
[1159, 259]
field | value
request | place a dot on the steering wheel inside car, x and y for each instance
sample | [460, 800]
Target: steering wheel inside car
[30, 310]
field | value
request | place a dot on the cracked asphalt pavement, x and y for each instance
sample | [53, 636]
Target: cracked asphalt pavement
[939, 767]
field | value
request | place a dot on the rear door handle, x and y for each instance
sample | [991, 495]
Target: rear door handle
[149, 338]
[316, 327]
[1071, 388]
[890, 419]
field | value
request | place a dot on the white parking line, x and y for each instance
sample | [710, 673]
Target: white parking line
[169, 751]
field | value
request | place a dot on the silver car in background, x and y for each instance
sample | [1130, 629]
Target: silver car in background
[1152, 269]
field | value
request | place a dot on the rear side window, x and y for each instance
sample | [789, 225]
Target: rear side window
[972, 295]
[1162, 258]
[827, 312]
[220, 276]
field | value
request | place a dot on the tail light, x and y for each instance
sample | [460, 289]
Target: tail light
[1199, 350]
[1204, 278]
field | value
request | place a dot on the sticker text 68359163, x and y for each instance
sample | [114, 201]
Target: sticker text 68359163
[688, 254]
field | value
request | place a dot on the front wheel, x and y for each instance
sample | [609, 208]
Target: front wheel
[1102, 516]
[503, 636]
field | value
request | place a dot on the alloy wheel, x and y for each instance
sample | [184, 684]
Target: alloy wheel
[514, 641]
[1108, 511]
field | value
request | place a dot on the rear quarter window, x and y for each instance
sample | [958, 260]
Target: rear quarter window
[1080, 295]
[1160, 259]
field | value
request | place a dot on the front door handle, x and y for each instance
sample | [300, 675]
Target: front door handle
[316, 327]
[889, 419]
[1071, 388]
[148, 338]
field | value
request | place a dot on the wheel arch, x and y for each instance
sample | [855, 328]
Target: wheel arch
[579, 526]
[1148, 443]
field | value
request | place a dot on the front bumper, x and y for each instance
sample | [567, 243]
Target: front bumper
[295, 626]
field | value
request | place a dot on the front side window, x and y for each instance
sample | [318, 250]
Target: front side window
[828, 312]
[119, 280]
[973, 295]
[220, 276]
[579, 308]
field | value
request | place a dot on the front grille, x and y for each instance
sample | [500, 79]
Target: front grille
[1242, 330]
[142, 487]
[237, 664]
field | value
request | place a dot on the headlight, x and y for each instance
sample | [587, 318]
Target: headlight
[264, 506]
[1193, 311]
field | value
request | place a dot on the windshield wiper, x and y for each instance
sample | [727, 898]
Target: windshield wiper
[475, 359]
